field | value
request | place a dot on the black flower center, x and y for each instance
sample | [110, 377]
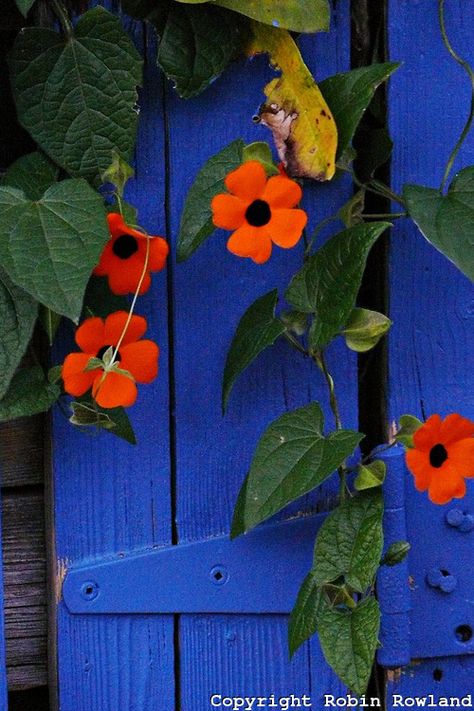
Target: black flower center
[258, 213]
[438, 456]
[104, 350]
[124, 246]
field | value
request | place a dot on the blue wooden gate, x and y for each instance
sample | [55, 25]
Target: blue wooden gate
[131, 524]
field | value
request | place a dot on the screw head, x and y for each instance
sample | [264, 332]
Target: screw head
[219, 575]
[89, 590]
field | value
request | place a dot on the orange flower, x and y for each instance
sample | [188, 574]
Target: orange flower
[124, 255]
[111, 387]
[442, 457]
[260, 210]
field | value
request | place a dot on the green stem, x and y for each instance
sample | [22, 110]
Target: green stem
[462, 62]
[322, 365]
[63, 17]
[385, 216]
[295, 343]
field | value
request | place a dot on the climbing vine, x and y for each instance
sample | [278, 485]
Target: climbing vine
[72, 249]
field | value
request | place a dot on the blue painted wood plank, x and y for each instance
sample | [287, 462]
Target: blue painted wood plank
[111, 498]
[432, 306]
[211, 291]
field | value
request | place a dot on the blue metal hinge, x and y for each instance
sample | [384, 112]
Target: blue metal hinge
[257, 573]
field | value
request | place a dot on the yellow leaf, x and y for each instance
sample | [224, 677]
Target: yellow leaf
[303, 127]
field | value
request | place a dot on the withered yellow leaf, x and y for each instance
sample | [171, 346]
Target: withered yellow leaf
[303, 127]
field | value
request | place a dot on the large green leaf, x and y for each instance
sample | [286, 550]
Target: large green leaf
[296, 15]
[350, 542]
[33, 173]
[50, 246]
[292, 458]
[29, 393]
[304, 616]
[258, 328]
[447, 221]
[196, 220]
[17, 319]
[349, 640]
[328, 284]
[197, 44]
[349, 94]
[77, 95]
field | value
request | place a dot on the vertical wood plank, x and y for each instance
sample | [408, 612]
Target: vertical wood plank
[238, 654]
[432, 304]
[112, 498]
[3, 662]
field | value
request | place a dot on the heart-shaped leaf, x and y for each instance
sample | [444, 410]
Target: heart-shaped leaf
[258, 328]
[304, 616]
[349, 639]
[328, 284]
[76, 95]
[295, 15]
[50, 246]
[350, 542]
[17, 319]
[33, 173]
[292, 458]
[447, 221]
[29, 393]
[349, 94]
[196, 220]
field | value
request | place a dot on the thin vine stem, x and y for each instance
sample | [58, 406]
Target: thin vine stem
[63, 17]
[466, 66]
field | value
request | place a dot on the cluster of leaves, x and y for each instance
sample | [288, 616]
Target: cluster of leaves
[294, 456]
[75, 93]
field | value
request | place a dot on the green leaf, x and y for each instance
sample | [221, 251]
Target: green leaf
[409, 424]
[115, 421]
[370, 475]
[396, 553]
[149, 10]
[261, 151]
[118, 173]
[197, 44]
[17, 319]
[258, 328]
[447, 221]
[292, 458]
[50, 321]
[296, 15]
[29, 393]
[365, 329]
[328, 284]
[50, 246]
[100, 301]
[24, 6]
[77, 95]
[304, 616]
[33, 174]
[196, 221]
[295, 321]
[349, 640]
[349, 94]
[350, 542]
[351, 213]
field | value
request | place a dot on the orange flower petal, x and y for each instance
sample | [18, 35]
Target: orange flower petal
[455, 427]
[428, 434]
[419, 464]
[228, 211]
[286, 227]
[118, 226]
[282, 192]
[141, 360]
[103, 266]
[76, 381]
[114, 325]
[461, 457]
[446, 485]
[90, 335]
[244, 242]
[264, 249]
[125, 279]
[159, 251]
[248, 181]
[114, 390]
